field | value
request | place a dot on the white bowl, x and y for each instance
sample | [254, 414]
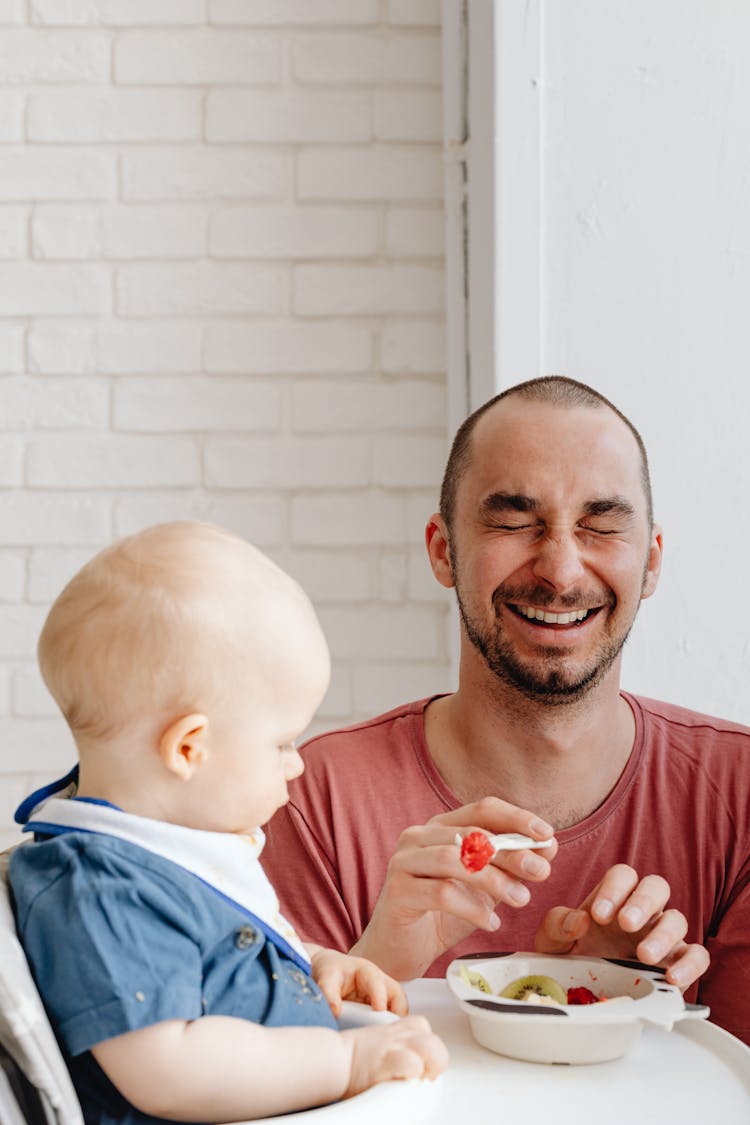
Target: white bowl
[584, 1033]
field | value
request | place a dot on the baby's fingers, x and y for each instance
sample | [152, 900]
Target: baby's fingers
[396, 1000]
[405, 1049]
[399, 1064]
[423, 1059]
[331, 984]
[381, 992]
[435, 1057]
[418, 1053]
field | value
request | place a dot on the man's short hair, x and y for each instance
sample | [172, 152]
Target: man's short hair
[557, 390]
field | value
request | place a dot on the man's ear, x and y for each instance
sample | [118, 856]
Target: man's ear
[182, 746]
[653, 562]
[438, 549]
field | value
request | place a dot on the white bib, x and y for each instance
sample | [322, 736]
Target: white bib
[229, 864]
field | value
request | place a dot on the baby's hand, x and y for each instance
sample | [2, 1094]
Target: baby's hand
[405, 1049]
[340, 976]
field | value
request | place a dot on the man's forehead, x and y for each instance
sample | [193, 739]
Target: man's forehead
[516, 421]
[530, 448]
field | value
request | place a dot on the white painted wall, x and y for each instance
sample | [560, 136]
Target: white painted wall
[221, 295]
[622, 247]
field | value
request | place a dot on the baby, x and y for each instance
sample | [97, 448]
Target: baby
[186, 664]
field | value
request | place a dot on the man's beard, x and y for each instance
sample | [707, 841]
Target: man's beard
[559, 684]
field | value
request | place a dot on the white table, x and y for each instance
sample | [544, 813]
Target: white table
[696, 1074]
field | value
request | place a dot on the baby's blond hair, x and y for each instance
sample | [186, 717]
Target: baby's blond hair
[160, 623]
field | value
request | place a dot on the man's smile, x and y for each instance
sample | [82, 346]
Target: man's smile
[574, 617]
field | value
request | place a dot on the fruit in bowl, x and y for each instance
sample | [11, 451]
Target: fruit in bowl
[541, 1008]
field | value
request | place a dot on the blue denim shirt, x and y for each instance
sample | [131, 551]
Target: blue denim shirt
[119, 938]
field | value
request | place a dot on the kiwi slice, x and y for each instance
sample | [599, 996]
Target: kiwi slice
[538, 985]
[476, 980]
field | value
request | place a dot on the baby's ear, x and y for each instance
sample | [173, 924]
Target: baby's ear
[182, 746]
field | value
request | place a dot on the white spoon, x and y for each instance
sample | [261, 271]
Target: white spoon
[511, 842]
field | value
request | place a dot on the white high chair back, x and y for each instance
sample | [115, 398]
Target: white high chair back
[35, 1087]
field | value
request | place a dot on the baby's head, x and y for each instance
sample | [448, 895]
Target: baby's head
[186, 664]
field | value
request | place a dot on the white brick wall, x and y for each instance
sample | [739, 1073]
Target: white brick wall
[221, 296]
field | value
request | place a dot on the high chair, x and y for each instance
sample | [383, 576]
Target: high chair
[35, 1087]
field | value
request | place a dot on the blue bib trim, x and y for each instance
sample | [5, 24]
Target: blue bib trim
[27, 806]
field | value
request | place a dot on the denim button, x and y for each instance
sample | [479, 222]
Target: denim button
[245, 937]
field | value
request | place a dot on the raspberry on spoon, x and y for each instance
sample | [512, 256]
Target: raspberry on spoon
[476, 851]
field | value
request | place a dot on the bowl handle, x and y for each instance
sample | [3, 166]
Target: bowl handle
[665, 1006]
[695, 1012]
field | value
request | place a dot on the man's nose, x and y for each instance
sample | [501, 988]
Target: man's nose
[558, 561]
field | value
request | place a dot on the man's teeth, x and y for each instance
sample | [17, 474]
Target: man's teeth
[552, 618]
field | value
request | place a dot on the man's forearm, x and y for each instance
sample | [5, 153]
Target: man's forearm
[403, 960]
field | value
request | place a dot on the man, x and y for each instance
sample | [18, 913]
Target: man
[545, 531]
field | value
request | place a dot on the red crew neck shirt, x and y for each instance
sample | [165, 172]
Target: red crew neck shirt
[680, 809]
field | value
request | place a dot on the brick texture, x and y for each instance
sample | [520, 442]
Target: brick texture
[12, 232]
[221, 297]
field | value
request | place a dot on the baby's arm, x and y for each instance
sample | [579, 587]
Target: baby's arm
[219, 1068]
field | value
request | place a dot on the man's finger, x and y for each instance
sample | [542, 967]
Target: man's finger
[494, 815]
[690, 962]
[561, 928]
[611, 894]
[648, 900]
[663, 937]
[441, 861]
[449, 896]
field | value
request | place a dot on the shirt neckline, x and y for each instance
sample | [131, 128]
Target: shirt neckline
[566, 835]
